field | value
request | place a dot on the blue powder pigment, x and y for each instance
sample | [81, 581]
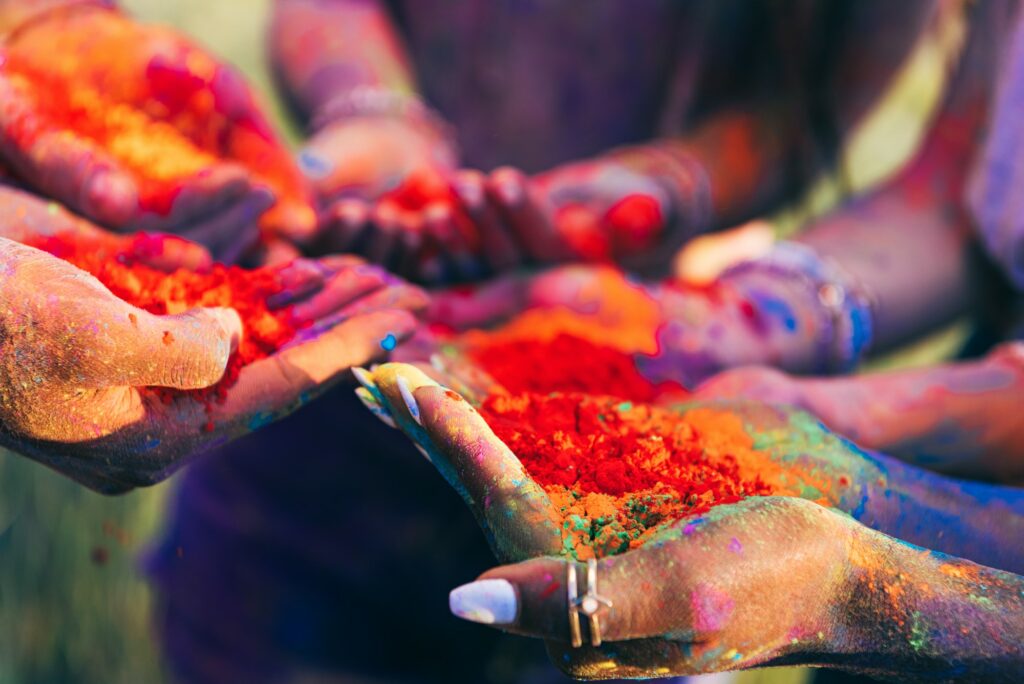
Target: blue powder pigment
[389, 342]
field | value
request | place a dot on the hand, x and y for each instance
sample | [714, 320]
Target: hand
[77, 375]
[133, 126]
[794, 454]
[678, 333]
[385, 181]
[754, 583]
[595, 211]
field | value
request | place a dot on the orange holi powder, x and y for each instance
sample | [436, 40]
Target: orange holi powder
[588, 428]
[619, 471]
[185, 113]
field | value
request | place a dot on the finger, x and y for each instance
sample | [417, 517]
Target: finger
[408, 237]
[233, 230]
[277, 252]
[514, 511]
[202, 196]
[276, 386]
[400, 296]
[169, 252]
[439, 224]
[383, 234]
[463, 308]
[497, 245]
[185, 351]
[532, 598]
[299, 279]
[346, 221]
[342, 289]
[62, 164]
[519, 206]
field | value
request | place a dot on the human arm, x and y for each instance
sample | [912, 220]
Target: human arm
[956, 418]
[105, 392]
[771, 582]
[135, 127]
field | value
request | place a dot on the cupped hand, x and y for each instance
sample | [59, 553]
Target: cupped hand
[135, 127]
[385, 182]
[80, 365]
[791, 453]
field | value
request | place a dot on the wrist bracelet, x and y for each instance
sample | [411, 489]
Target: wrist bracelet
[363, 100]
[846, 308]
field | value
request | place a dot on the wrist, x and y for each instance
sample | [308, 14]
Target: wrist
[16, 15]
[910, 612]
[366, 102]
[841, 310]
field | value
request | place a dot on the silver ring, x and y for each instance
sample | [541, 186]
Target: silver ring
[591, 605]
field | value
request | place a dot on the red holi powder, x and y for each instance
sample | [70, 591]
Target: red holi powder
[584, 423]
[635, 222]
[264, 331]
[631, 225]
[618, 471]
[421, 189]
[186, 115]
[569, 364]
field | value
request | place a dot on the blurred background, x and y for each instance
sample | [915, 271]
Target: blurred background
[74, 606]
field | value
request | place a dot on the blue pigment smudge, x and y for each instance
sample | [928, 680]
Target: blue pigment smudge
[389, 342]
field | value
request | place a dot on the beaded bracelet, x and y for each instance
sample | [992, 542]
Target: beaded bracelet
[365, 100]
[846, 308]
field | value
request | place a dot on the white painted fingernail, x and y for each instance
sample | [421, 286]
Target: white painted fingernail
[410, 401]
[364, 377]
[426, 454]
[370, 402]
[489, 602]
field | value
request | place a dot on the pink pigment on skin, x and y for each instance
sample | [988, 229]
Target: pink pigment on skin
[711, 608]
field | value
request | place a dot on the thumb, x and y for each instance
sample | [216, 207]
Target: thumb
[185, 351]
[532, 598]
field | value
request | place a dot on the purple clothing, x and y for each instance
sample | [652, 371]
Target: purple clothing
[325, 543]
[996, 190]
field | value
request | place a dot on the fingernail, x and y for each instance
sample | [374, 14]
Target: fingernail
[370, 402]
[410, 401]
[364, 377]
[426, 454]
[489, 602]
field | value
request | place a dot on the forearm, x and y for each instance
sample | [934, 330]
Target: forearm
[323, 48]
[912, 251]
[909, 614]
[962, 419]
[980, 522]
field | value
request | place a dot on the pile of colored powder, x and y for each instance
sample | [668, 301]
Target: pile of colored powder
[567, 363]
[264, 330]
[164, 129]
[155, 150]
[570, 402]
[619, 471]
